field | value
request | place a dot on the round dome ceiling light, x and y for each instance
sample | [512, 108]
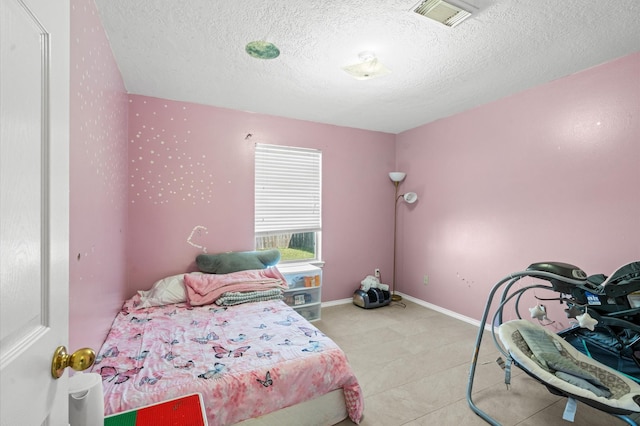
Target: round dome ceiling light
[262, 49]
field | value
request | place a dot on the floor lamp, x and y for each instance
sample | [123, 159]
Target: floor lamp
[409, 197]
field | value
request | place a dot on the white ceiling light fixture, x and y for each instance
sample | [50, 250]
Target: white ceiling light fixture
[441, 11]
[369, 68]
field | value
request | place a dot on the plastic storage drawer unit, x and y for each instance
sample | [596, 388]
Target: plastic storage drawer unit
[305, 287]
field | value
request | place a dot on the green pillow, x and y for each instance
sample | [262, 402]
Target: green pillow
[234, 261]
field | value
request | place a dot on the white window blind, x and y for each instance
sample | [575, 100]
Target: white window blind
[287, 189]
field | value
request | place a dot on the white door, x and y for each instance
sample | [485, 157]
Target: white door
[34, 209]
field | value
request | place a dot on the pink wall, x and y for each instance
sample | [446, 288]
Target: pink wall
[191, 189]
[98, 186]
[548, 174]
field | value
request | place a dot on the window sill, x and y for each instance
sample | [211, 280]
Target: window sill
[317, 263]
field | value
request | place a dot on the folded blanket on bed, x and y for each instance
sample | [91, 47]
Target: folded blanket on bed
[231, 298]
[205, 289]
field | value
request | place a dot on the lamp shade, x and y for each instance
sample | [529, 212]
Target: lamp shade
[410, 197]
[397, 176]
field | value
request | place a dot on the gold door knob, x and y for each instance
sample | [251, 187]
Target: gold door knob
[79, 360]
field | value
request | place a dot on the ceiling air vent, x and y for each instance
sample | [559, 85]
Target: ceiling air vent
[441, 11]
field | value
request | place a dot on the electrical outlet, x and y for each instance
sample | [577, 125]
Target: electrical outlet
[426, 279]
[376, 272]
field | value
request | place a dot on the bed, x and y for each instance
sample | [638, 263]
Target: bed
[253, 362]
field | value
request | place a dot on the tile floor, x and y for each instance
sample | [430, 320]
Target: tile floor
[413, 366]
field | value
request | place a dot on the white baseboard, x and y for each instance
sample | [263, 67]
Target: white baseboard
[336, 302]
[442, 310]
[420, 302]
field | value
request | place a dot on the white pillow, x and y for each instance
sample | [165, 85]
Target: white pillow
[165, 292]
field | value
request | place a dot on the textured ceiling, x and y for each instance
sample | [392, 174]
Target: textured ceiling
[194, 50]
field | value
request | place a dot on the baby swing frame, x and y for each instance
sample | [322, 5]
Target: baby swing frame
[560, 277]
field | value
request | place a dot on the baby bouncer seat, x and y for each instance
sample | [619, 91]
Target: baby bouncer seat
[547, 356]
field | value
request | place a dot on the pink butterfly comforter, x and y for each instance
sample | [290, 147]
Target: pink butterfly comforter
[246, 360]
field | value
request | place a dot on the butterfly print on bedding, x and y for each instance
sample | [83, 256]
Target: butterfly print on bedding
[241, 338]
[268, 381]
[286, 342]
[186, 366]
[217, 370]
[208, 338]
[266, 337]
[261, 326]
[149, 380]
[111, 375]
[290, 320]
[310, 332]
[137, 320]
[222, 352]
[142, 355]
[112, 352]
[265, 354]
[218, 310]
[223, 323]
[314, 346]
[172, 313]
[170, 356]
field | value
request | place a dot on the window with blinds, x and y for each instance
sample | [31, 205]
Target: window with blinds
[288, 201]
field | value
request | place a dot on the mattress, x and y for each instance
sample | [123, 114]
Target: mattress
[247, 360]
